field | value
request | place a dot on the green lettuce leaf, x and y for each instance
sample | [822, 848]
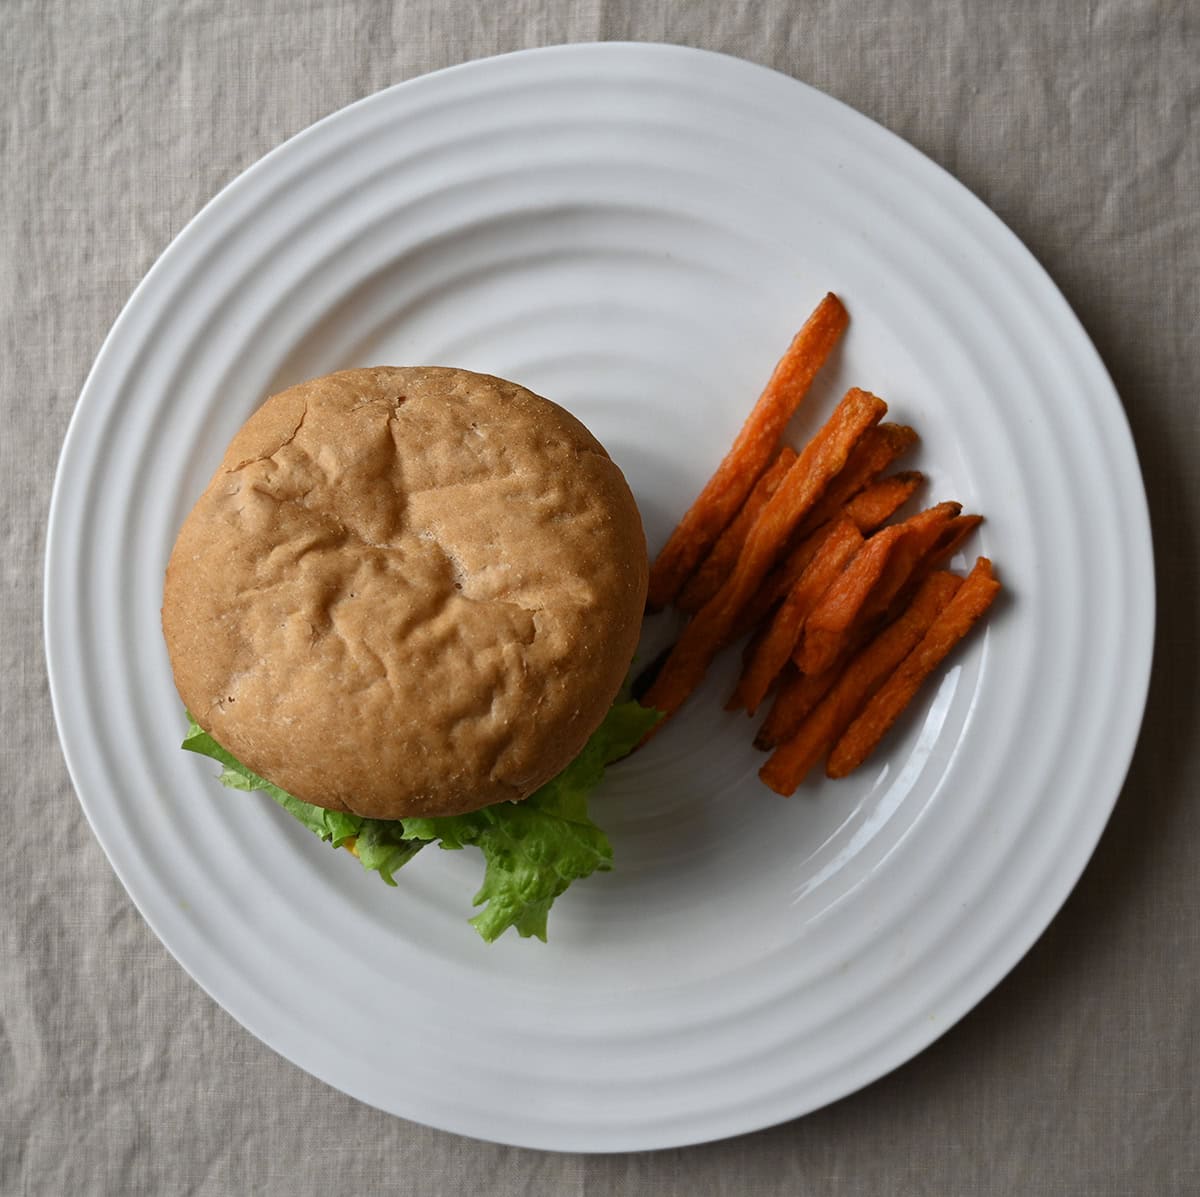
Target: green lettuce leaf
[379, 844]
[532, 849]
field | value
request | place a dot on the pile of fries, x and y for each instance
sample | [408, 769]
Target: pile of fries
[847, 614]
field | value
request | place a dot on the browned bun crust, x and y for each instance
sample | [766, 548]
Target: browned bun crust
[407, 591]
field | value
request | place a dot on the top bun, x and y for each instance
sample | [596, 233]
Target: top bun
[407, 592]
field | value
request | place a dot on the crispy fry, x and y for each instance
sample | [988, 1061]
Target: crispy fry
[922, 532]
[734, 702]
[772, 650]
[830, 623]
[948, 543]
[869, 510]
[715, 568]
[885, 707]
[822, 459]
[872, 455]
[882, 499]
[814, 737]
[734, 478]
[781, 579]
[798, 694]
[827, 634]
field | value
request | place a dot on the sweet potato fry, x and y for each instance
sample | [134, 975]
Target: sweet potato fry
[797, 696]
[872, 455]
[829, 625]
[792, 761]
[772, 650]
[716, 567]
[781, 579]
[826, 636]
[881, 500]
[734, 478]
[922, 532]
[869, 510]
[734, 701]
[948, 543]
[885, 707]
[821, 460]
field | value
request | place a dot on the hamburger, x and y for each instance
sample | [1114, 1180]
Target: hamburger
[404, 608]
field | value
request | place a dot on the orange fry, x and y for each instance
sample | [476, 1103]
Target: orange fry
[869, 510]
[922, 533]
[798, 694]
[735, 702]
[772, 650]
[779, 582]
[947, 544]
[734, 478]
[885, 707]
[872, 455]
[716, 567]
[792, 761]
[829, 635]
[944, 547]
[830, 622]
[822, 459]
[874, 506]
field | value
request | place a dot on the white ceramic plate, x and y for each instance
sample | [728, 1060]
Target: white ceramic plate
[636, 231]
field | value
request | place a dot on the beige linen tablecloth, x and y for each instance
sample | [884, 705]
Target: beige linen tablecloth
[1078, 122]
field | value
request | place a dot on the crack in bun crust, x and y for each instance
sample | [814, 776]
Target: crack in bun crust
[406, 591]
